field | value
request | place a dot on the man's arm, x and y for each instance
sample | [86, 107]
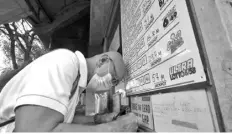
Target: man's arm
[41, 119]
[82, 128]
[99, 118]
[127, 123]
[81, 119]
[30, 118]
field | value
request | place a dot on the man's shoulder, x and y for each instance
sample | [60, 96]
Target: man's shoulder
[62, 52]
[58, 56]
[62, 59]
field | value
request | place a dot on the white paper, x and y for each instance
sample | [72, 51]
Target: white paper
[182, 112]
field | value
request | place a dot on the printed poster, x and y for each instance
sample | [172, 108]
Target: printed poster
[159, 45]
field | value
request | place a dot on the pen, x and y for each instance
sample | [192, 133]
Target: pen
[115, 117]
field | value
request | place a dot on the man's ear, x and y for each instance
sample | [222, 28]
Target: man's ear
[98, 63]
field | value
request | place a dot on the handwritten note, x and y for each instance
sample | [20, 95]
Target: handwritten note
[182, 112]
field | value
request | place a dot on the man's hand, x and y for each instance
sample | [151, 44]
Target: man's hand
[104, 118]
[30, 118]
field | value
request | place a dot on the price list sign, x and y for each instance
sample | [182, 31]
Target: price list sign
[159, 45]
[142, 108]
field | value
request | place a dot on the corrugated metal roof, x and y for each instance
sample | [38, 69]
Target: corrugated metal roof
[13, 10]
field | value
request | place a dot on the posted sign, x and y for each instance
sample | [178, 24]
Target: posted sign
[159, 45]
[142, 108]
[186, 111]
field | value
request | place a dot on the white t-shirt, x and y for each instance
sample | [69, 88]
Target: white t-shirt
[48, 82]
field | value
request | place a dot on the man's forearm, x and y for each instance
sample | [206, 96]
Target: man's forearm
[81, 119]
[63, 127]
[126, 123]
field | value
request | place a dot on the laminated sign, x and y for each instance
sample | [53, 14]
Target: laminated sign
[159, 45]
[186, 111]
[142, 108]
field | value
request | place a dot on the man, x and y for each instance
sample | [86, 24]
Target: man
[43, 96]
[6, 76]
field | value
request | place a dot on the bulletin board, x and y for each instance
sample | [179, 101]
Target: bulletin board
[186, 111]
[159, 45]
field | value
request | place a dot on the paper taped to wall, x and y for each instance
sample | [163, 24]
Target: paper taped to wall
[186, 111]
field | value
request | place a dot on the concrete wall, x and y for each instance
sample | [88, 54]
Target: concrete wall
[215, 22]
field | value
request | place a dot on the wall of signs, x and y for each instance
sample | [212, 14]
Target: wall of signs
[159, 45]
[182, 112]
[142, 108]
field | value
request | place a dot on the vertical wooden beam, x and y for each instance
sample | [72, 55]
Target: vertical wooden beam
[99, 18]
[44, 11]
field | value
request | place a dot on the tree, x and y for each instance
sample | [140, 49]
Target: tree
[20, 44]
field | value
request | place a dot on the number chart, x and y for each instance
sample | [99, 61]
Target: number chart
[159, 45]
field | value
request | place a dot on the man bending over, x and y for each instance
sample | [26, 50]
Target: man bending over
[43, 96]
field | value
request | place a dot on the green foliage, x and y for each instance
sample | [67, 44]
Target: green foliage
[19, 43]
